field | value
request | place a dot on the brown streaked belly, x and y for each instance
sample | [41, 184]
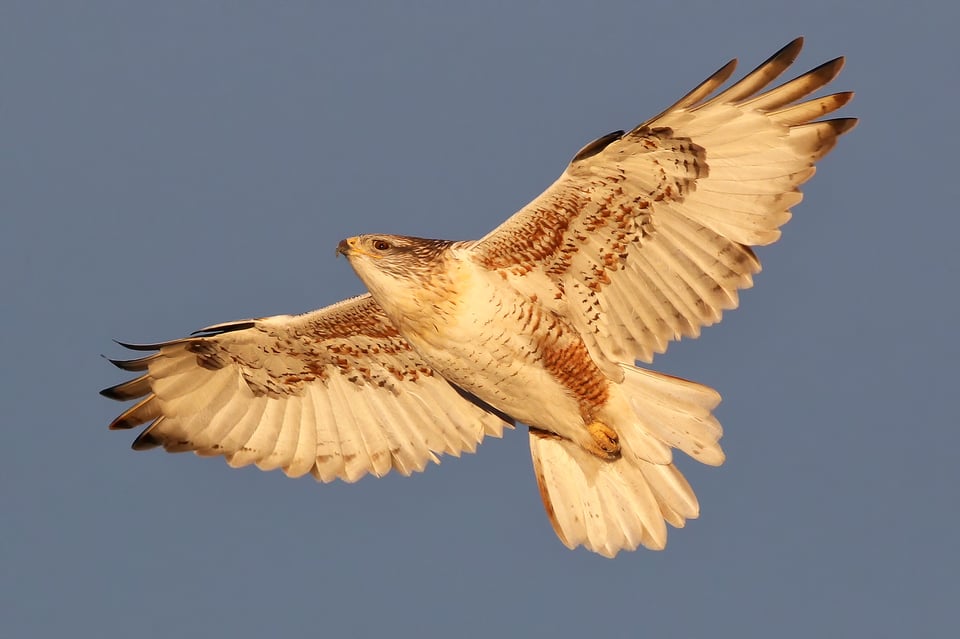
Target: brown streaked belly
[519, 357]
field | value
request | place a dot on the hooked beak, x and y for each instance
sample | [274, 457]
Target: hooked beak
[351, 246]
[345, 246]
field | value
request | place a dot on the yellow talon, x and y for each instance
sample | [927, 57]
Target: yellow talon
[605, 439]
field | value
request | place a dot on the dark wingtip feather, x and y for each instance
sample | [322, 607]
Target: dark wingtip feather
[842, 125]
[226, 327]
[110, 393]
[784, 57]
[790, 49]
[143, 412]
[146, 441]
[128, 390]
[134, 365]
[843, 98]
[827, 71]
[699, 92]
[124, 423]
[140, 347]
[765, 73]
[597, 146]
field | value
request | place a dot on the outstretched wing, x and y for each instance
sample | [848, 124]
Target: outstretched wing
[336, 392]
[645, 237]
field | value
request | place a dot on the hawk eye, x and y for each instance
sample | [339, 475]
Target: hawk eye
[381, 245]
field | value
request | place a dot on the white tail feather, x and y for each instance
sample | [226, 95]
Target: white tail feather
[613, 505]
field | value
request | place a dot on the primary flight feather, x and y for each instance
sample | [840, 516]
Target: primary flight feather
[644, 239]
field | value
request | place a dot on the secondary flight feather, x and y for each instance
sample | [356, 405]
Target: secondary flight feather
[644, 239]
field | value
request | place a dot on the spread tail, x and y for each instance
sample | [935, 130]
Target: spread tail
[612, 505]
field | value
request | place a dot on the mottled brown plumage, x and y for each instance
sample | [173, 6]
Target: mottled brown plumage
[644, 239]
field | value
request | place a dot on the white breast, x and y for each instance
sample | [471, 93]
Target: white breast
[480, 336]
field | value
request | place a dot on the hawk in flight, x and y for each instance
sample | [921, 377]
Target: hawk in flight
[644, 239]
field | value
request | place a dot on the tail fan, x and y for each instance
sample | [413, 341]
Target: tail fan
[608, 506]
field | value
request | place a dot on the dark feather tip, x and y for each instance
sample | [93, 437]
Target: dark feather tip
[218, 329]
[128, 390]
[139, 347]
[133, 365]
[146, 441]
[123, 423]
[597, 145]
[842, 125]
[111, 393]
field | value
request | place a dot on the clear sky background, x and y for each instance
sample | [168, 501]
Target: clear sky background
[168, 165]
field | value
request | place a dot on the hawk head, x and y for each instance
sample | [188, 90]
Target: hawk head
[394, 267]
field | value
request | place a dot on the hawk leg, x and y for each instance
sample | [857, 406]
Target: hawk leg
[606, 442]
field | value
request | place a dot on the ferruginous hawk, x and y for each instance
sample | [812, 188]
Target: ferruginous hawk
[644, 239]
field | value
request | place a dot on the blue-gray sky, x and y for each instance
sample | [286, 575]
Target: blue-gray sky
[165, 166]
